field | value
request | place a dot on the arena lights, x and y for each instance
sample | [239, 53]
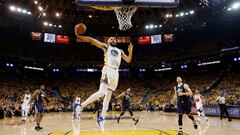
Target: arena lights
[90, 16]
[51, 25]
[9, 65]
[184, 66]
[33, 68]
[162, 69]
[169, 15]
[142, 69]
[12, 8]
[18, 9]
[44, 14]
[237, 59]
[123, 70]
[152, 26]
[191, 12]
[35, 2]
[55, 70]
[209, 63]
[57, 14]
[234, 6]
[40, 8]
[87, 70]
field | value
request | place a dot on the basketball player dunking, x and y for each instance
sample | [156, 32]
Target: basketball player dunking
[110, 75]
[126, 105]
[183, 95]
[25, 106]
[39, 96]
[198, 99]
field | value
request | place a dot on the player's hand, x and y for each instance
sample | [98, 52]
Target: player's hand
[130, 47]
[180, 94]
[172, 102]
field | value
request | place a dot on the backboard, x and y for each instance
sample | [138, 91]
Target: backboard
[139, 3]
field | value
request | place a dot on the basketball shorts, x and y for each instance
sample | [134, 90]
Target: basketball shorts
[126, 107]
[110, 76]
[38, 107]
[76, 107]
[25, 107]
[199, 107]
[184, 107]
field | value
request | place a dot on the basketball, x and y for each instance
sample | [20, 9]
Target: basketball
[80, 29]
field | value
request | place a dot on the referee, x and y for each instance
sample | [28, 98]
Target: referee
[223, 107]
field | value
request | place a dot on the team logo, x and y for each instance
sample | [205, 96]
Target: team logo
[114, 53]
[179, 90]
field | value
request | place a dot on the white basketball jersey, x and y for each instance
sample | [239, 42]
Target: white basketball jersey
[198, 98]
[112, 57]
[77, 100]
[26, 99]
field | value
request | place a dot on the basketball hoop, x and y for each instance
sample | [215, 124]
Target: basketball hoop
[124, 15]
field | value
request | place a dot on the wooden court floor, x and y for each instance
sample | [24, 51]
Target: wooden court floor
[151, 123]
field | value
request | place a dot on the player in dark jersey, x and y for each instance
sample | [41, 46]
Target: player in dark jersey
[126, 105]
[97, 107]
[183, 95]
[39, 96]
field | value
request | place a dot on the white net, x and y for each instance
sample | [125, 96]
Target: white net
[124, 15]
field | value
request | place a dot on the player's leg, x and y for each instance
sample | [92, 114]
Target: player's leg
[188, 109]
[180, 110]
[226, 112]
[26, 113]
[78, 111]
[106, 100]
[100, 93]
[199, 115]
[131, 114]
[98, 113]
[74, 112]
[221, 111]
[203, 115]
[37, 115]
[23, 115]
[180, 123]
[121, 114]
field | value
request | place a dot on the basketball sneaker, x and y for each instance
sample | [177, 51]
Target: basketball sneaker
[136, 121]
[100, 122]
[195, 125]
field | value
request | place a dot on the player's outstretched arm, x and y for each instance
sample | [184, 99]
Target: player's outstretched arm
[189, 91]
[128, 58]
[93, 41]
[119, 96]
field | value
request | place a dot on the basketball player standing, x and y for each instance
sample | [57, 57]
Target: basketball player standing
[126, 105]
[76, 108]
[25, 106]
[183, 95]
[110, 75]
[39, 96]
[198, 99]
